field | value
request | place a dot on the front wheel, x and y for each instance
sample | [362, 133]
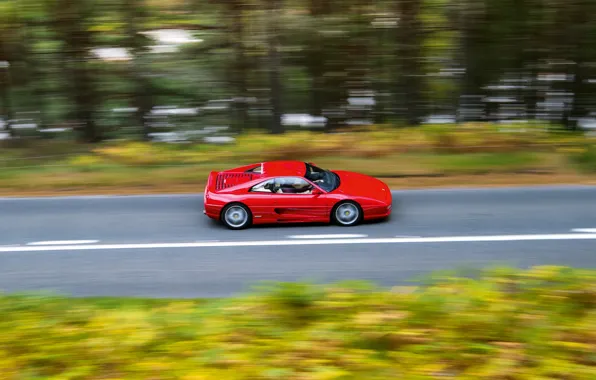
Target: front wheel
[347, 214]
[236, 216]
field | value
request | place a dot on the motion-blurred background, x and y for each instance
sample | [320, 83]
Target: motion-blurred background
[136, 67]
[212, 71]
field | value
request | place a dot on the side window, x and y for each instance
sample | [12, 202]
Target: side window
[284, 185]
[264, 187]
[293, 185]
[256, 169]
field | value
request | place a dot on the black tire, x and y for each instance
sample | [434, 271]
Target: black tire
[352, 214]
[236, 216]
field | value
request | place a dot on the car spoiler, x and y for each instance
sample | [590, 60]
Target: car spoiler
[211, 180]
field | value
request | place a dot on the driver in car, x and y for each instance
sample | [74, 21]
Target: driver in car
[298, 187]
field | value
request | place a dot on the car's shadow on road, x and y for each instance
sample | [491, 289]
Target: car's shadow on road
[283, 226]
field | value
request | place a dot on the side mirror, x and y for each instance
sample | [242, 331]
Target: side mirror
[316, 191]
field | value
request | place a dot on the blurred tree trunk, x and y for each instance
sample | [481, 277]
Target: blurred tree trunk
[34, 72]
[274, 63]
[240, 67]
[5, 90]
[8, 35]
[143, 91]
[85, 97]
[327, 60]
[316, 55]
[534, 48]
[5, 67]
[473, 46]
[359, 84]
[71, 21]
[409, 54]
[580, 41]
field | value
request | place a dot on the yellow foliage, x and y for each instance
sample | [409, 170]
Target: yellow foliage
[86, 162]
[530, 324]
[376, 141]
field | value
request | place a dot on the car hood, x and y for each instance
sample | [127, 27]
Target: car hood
[361, 185]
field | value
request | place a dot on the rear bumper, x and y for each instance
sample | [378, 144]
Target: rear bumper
[211, 211]
[211, 206]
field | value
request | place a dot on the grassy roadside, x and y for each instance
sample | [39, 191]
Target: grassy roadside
[504, 324]
[477, 155]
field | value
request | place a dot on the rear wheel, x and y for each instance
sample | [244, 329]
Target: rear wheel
[346, 214]
[236, 216]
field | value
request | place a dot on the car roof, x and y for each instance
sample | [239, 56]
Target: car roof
[283, 168]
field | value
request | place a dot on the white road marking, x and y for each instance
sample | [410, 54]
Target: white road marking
[262, 243]
[63, 242]
[337, 236]
[585, 230]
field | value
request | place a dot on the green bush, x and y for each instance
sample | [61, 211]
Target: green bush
[487, 162]
[585, 158]
[503, 324]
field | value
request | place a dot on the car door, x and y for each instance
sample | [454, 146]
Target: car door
[294, 201]
[261, 201]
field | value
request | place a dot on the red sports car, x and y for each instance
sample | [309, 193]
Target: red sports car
[293, 192]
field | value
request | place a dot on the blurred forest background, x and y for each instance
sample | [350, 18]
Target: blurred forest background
[175, 69]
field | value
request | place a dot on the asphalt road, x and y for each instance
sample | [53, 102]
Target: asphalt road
[163, 246]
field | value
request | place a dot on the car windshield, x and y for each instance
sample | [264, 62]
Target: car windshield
[325, 179]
